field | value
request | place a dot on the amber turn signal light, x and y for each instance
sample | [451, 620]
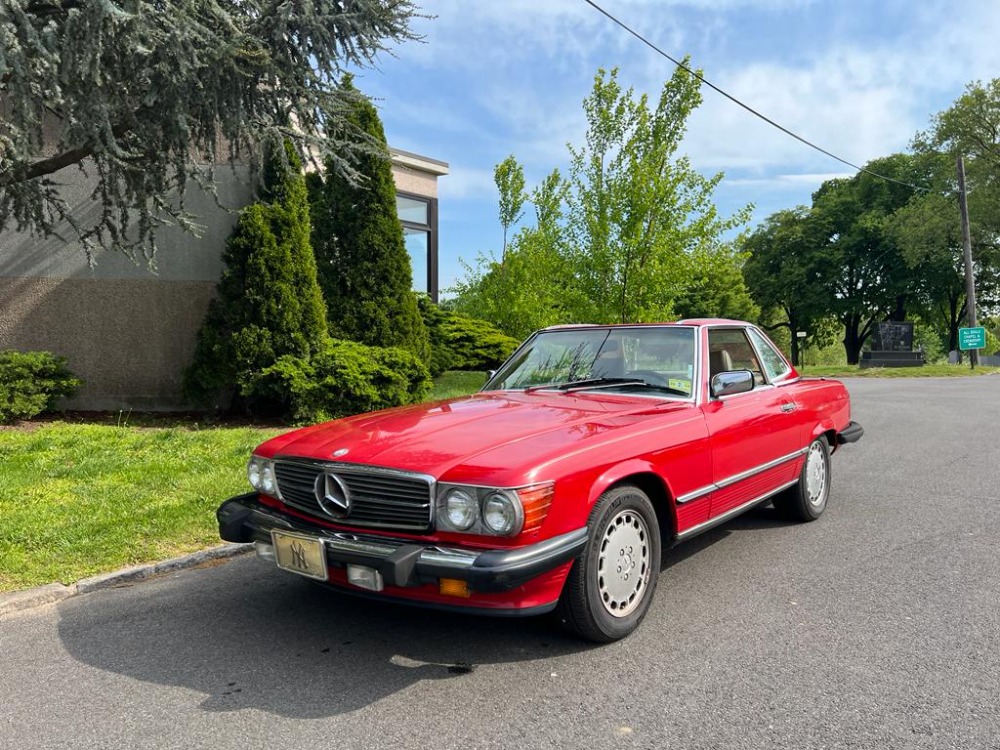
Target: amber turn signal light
[454, 587]
[536, 501]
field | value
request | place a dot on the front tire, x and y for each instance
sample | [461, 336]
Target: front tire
[610, 586]
[806, 501]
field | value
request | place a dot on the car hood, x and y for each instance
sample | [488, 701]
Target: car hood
[496, 436]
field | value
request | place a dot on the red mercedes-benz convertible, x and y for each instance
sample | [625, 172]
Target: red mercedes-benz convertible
[558, 484]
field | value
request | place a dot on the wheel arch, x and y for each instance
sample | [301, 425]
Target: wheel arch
[642, 475]
[827, 431]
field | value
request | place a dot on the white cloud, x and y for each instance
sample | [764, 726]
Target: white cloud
[846, 102]
[787, 181]
[463, 183]
[858, 99]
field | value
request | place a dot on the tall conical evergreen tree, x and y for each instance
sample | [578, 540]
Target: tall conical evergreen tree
[269, 303]
[362, 263]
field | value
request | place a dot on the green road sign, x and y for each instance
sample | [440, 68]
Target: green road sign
[971, 338]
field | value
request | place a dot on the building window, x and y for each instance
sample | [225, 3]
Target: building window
[418, 216]
[416, 245]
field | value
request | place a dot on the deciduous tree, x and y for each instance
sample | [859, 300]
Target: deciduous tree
[636, 210]
[784, 271]
[630, 235]
[509, 178]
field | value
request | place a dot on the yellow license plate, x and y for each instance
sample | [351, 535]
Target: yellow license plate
[299, 554]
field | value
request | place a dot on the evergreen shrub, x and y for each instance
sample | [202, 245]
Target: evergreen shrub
[268, 303]
[362, 262]
[343, 378]
[459, 342]
[32, 382]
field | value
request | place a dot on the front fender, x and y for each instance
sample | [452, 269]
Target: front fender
[615, 474]
[623, 471]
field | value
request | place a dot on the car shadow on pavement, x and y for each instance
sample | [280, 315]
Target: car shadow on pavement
[761, 517]
[247, 636]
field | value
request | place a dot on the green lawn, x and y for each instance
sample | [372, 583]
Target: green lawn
[81, 499]
[927, 371]
[453, 383]
[78, 499]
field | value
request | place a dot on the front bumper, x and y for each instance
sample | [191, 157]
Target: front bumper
[404, 563]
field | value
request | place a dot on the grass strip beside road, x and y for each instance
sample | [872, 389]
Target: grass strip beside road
[926, 371]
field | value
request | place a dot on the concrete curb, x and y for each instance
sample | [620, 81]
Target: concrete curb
[18, 601]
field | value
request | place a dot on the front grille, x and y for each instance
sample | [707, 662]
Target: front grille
[379, 499]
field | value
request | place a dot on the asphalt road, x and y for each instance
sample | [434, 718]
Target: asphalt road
[876, 627]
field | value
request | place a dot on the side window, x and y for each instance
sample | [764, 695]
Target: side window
[774, 364]
[729, 349]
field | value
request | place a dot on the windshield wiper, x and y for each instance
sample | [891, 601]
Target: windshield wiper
[599, 383]
[594, 383]
[588, 383]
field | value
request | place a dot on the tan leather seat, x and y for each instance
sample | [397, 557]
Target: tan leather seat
[719, 361]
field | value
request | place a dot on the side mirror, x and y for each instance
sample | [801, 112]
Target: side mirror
[733, 381]
[490, 374]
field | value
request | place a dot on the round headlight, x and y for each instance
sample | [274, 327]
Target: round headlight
[253, 473]
[267, 478]
[499, 513]
[460, 509]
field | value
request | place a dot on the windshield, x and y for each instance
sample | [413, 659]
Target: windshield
[625, 359]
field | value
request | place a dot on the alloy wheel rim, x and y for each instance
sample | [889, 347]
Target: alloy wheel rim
[816, 475]
[623, 563]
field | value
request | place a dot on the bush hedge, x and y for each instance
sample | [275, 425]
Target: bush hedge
[32, 382]
[343, 378]
[459, 342]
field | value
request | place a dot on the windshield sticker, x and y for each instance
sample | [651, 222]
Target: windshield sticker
[679, 385]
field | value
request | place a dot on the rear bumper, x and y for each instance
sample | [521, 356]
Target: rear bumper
[403, 563]
[850, 434]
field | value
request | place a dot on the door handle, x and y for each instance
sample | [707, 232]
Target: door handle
[787, 407]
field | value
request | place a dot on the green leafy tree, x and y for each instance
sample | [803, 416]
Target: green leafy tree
[929, 228]
[866, 278]
[970, 127]
[635, 209]
[269, 303]
[714, 286]
[630, 235]
[531, 287]
[143, 92]
[783, 272]
[929, 235]
[509, 178]
[363, 266]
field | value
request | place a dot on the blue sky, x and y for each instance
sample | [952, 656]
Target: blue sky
[495, 77]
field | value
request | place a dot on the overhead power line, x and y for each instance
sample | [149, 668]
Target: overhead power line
[747, 107]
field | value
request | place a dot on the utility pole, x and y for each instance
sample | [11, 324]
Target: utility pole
[970, 280]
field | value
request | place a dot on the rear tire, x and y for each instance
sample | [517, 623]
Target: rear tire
[610, 586]
[806, 500]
